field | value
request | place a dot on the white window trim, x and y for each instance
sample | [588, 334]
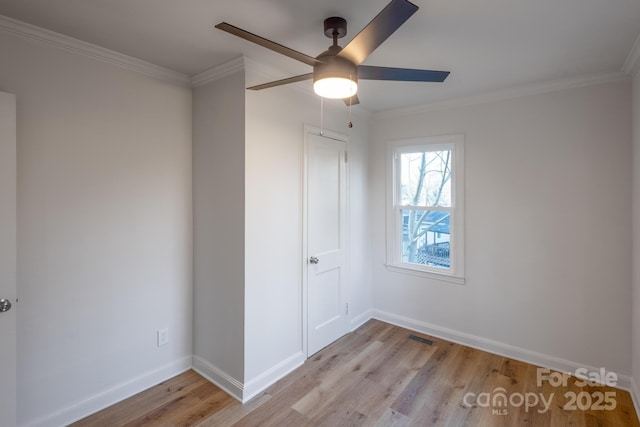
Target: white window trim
[455, 274]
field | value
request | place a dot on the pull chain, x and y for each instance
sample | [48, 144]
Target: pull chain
[350, 105]
[321, 116]
[350, 122]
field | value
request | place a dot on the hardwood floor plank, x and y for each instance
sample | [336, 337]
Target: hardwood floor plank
[419, 390]
[376, 376]
[452, 379]
[233, 413]
[372, 399]
[375, 329]
[391, 418]
[273, 409]
[293, 419]
[399, 361]
[327, 359]
[126, 411]
[210, 403]
[340, 416]
[163, 414]
[272, 416]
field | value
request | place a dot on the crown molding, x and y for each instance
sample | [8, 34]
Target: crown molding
[269, 73]
[241, 63]
[263, 70]
[51, 38]
[506, 94]
[632, 62]
[218, 72]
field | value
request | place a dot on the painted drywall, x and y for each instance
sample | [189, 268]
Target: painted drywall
[547, 219]
[104, 230]
[275, 122]
[219, 228]
[636, 240]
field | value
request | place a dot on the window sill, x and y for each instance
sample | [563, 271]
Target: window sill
[426, 274]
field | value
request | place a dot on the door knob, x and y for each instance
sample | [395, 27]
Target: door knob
[313, 260]
[5, 305]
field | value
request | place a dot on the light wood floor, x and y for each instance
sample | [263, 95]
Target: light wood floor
[375, 376]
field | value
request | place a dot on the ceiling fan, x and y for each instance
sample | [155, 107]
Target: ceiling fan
[336, 71]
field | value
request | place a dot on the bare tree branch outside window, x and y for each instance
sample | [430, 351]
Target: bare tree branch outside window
[426, 182]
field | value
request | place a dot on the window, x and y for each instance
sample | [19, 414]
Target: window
[425, 223]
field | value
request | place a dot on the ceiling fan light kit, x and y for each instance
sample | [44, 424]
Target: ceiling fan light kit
[336, 70]
[335, 77]
[335, 87]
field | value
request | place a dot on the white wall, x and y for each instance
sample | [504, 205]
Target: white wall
[219, 228]
[636, 240]
[275, 120]
[104, 230]
[547, 220]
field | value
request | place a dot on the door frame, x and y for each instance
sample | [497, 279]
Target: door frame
[9, 166]
[313, 130]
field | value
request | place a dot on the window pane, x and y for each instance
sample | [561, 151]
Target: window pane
[425, 178]
[426, 237]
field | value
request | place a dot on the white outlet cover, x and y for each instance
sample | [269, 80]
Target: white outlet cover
[163, 337]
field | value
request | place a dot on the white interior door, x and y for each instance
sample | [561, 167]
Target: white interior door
[7, 259]
[327, 309]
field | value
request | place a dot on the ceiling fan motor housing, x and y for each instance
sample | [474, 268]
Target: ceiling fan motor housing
[334, 66]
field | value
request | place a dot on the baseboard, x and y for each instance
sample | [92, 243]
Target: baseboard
[217, 376]
[258, 384]
[97, 402]
[495, 347]
[360, 319]
[635, 396]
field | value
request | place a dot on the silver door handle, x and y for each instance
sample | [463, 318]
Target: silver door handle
[5, 305]
[313, 260]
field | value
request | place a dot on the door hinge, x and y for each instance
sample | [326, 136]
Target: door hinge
[346, 156]
[347, 308]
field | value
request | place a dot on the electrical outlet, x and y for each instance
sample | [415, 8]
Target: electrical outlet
[163, 337]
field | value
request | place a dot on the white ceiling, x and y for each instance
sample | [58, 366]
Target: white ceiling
[487, 45]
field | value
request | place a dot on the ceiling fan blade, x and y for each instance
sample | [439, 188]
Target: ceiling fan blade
[378, 30]
[267, 43]
[366, 72]
[295, 79]
[354, 100]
